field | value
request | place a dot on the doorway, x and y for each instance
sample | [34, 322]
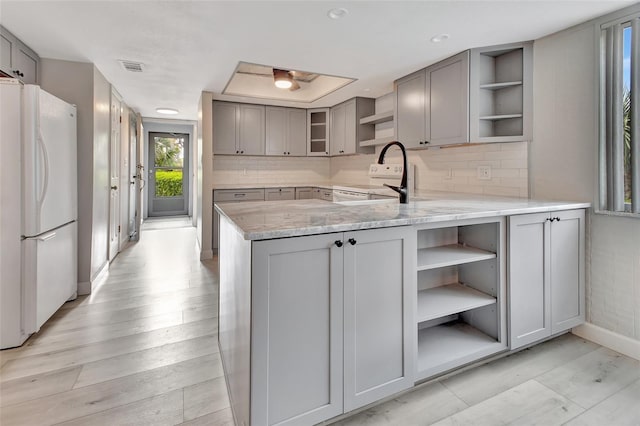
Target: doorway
[168, 193]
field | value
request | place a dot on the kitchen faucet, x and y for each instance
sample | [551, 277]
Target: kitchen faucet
[402, 189]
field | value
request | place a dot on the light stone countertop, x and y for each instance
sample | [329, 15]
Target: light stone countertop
[262, 220]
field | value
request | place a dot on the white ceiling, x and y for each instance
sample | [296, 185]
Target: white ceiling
[191, 46]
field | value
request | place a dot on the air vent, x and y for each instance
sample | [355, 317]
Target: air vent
[132, 66]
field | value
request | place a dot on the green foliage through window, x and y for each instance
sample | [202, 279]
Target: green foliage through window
[168, 183]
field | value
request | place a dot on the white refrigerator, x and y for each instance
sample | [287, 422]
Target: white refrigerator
[38, 214]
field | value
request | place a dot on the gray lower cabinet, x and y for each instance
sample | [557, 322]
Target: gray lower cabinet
[279, 194]
[330, 332]
[231, 196]
[305, 193]
[546, 275]
[323, 194]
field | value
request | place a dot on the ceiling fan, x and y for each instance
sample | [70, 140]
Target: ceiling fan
[284, 79]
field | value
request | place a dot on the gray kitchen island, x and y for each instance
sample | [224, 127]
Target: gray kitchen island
[328, 307]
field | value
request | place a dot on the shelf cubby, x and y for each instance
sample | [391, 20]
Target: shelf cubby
[500, 93]
[459, 300]
[449, 299]
[381, 117]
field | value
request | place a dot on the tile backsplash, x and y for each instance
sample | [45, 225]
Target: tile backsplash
[451, 169]
[229, 169]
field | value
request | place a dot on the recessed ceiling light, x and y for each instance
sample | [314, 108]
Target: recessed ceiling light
[337, 13]
[168, 111]
[439, 38]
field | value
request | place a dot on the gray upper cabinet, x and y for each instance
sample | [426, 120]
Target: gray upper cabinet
[346, 130]
[501, 94]
[318, 132]
[447, 101]
[286, 131]
[411, 115]
[433, 104]
[17, 60]
[238, 129]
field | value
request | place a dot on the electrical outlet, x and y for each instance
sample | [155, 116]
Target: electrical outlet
[484, 172]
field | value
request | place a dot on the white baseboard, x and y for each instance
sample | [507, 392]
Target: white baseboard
[86, 287]
[617, 342]
[206, 254]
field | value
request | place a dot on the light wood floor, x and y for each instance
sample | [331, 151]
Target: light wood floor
[142, 350]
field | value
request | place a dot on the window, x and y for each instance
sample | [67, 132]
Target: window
[620, 112]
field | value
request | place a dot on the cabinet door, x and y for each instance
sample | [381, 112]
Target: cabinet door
[6, 44]
[529, 290]
[296, 338]
[351, 121]
[338, 122]
[297, 132]
[279, 194]
[448, 105]
[225, 128]
[27, 63]
[379, 289]
[276, 131]
[305, 193]
[410, 122]
[567, 270]
[251, 129]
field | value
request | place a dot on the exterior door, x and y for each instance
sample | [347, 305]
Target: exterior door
[168, 174]
[114, 166]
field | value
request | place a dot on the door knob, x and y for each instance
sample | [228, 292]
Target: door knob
[114, 187]
[338, 243]
[352, 241]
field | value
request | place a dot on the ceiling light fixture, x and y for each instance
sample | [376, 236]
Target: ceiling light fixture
[337, 13]
[168, 111]
[439, 38]
[282, 78]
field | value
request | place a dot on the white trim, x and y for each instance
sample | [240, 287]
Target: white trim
[206, 254]
[617, 342]
[86, 287]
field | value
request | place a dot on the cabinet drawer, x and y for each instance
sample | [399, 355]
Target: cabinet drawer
[234, 195]
[279, 194]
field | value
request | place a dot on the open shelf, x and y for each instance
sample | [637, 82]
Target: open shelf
[449, 299]
[378, 141]
[498, 86]
[500, 117]
[377, 118]
[452, 254]
[450, 345]
[318, 124]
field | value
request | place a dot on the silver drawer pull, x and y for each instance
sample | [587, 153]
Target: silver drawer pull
[239, 195]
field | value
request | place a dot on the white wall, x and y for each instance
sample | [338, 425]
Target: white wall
[73, 82]
[205, 173]
[170, 126]
[101, 173]
[564, 166]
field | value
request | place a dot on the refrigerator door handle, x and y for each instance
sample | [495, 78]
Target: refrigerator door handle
[46, 237]
[45, 161]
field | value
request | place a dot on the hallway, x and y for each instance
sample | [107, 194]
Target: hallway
[142, 349]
